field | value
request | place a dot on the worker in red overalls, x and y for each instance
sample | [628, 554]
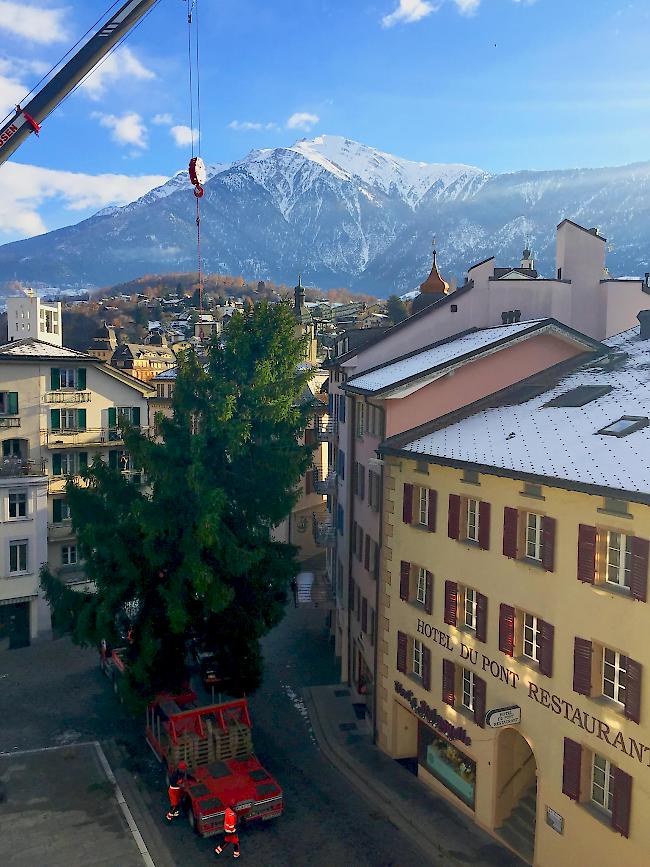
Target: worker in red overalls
[230, 833]
[177, 780]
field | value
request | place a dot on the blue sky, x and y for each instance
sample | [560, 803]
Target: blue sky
[500, 84]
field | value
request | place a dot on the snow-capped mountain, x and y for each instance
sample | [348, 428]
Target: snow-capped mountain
[343, 214]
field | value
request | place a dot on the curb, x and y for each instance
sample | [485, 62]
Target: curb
[376, 793]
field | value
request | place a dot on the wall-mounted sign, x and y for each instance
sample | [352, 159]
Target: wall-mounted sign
[503, 716]
[555, 820]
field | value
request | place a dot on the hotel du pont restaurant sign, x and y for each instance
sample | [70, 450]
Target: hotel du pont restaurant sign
[555, 704]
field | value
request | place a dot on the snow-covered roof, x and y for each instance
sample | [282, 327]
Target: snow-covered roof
[166, 375]
[29, 347]
[523, 434]
[453, 350]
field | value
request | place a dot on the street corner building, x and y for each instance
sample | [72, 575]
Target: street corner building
[513, 614]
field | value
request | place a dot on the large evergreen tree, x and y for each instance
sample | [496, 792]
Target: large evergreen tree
[191, 554]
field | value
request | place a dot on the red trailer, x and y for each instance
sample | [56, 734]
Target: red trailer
[216, 743]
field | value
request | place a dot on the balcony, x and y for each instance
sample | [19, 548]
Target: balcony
[324, 531]
[64, 439]
[67, 397]
[327, 431]
[59, 532]
[327, 485]
[15, 466]
[7, 421]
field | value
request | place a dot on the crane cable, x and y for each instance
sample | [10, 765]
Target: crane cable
[197, 170]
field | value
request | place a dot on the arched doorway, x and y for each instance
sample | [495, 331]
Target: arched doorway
[516, 793]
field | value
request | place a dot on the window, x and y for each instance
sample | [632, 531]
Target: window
[67, 378]
[472, 520]
[68, 555]
[17, 557]
[421, 591]
[624, 426]
[423, 506]
[18, 505]
[468, 689]
[533, 536]
[614, 675]
[60, 510]
[470, 608]
[8, 403]
[619, 559]
[417, 657]
[531, 641]
[602, 783]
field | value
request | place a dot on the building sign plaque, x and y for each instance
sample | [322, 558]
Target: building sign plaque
[503, 716]
[555, 820]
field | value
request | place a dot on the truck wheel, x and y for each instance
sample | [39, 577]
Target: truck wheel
[191, 818]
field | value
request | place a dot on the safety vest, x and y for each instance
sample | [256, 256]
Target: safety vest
[230, 821]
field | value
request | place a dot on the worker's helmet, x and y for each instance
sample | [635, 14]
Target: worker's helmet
[182, 766]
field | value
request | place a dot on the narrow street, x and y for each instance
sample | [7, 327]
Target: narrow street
[53, 694]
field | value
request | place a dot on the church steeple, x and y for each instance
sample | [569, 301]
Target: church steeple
[433, 288]
[300, 309]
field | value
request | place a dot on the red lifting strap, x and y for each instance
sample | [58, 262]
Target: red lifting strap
[30, 120]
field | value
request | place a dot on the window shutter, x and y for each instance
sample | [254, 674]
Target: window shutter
[330, 405]
[453, 521]
[55, 419]
[310, 436]
[135, 416]
[428, 605]
[81, 419]
[639, 575]
[342, 454]
[55, 378]
[507, 629]
[404, 581]
[633, 690]
[510, 522]
[112, 416]
[571, 769]
[586, 554]
[309, 481]
[12, 403]
[433, 506]
[548, 543]
[407, 505]
[481, 617]
[342, 408]
[56, 464]
[81, 379]
[451, 602]
[6, 448]
[448, 682]
[366, 556]
[479, 701]
[621, 802]
[57, 511]
[401, 651]
[364, 615]
[484, 525]
[546, 636]
[362, 482]
[113, 459]
[83, 460]
[426, 667]
[582, 651]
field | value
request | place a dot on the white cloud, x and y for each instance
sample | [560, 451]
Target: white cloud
[127, 129]
[302, 120]
[24, 188]
[468, 7]
[409, 11]
[184, 135]
[122, 64]
[245, 125]
[162, 119]
[33, 23]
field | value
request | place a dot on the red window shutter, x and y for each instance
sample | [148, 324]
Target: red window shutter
[401, 651]
[510, 526]
[310, 436]
[426, 667]
[451, 602]
[582, 651]
[481, 617]
[571, 769]
[404, 580]
[428, 605]
[633, 690]
[621, 802]
[548, 544]
[366, 555]
[309, 481]
[479, 701]
[448, 682]
[507, 629]
[586, 554]
[407, 506]
[364, 615]
[639, 576]
[433, 506]
[484, 525]
[453, 521]
[546, 636]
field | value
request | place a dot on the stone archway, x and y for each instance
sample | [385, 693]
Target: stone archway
[516, 793]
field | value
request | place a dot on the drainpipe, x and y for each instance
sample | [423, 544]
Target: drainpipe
[349, 460]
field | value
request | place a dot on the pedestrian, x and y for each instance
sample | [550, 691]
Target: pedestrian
[294, 590]
[177, 781]
[230, 833]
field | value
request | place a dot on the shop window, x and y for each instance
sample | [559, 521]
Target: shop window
[451, 767]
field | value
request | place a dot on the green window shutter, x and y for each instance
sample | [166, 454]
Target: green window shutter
[81, 379]
[83, 461]
[55, 378]
[12, 402]
[81, 419]
[135, 415]
[55, 419]
[57, 510]
[6, 448]
[56, 465]
[112, 416]
[113, 459]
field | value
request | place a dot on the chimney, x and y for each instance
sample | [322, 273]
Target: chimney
[516, 315]
[644, 319]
